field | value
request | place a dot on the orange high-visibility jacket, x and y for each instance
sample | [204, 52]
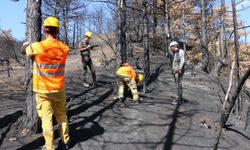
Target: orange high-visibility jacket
[49, 65]
[126, 71]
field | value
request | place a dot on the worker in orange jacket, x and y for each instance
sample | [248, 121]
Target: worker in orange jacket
[126, 75]
[48, 81]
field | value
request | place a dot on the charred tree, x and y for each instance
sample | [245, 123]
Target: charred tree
[65, 23]
[213, 38]
[223, 51]
[146, 46]
[33, 33]
[121, 49]
[155, 24]
[237, 47]
[230, 101]
[204, 43]
[167, 28]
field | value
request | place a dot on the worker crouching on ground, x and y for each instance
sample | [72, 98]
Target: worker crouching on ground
[126, 76]
[84, 49]
[48, 81]
[178, 68]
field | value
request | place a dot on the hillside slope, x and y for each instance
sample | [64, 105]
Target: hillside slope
[99, 123]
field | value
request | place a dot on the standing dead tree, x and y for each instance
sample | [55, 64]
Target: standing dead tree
[166, 27]
[33, 33]
[204, 43]
[146, 46]
[223, 51]
[213, 37]
[237, 47]
[230, 101]
[121, 49]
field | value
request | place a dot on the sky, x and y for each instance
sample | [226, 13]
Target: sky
[12, 14]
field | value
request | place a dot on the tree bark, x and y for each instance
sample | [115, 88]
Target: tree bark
[146, 46]
[213, 42]
[237, 66]
[223, 51]
[121, 48]
[230, 102]
[167, 28]
[33, 33]
[204, 43]
[66, 20]
[155, 24]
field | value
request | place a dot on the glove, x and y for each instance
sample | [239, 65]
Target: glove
[89, 47]
[26, 43]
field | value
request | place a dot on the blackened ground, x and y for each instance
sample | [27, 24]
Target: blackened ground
[97, 122]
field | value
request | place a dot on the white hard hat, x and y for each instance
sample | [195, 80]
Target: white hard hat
[173, 43]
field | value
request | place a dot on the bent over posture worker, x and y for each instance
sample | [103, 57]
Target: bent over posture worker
[126, 75]
[178, 68]
[48, 81]
[84, 49]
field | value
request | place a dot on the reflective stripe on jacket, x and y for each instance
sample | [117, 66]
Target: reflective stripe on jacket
[49, 65]
[126, 71]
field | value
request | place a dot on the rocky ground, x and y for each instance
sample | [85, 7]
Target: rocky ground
[99, 123]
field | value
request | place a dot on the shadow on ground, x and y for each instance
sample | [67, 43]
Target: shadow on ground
[77, 131]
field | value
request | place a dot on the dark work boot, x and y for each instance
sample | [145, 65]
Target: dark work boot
[63, 146]
[122, 101]
[94, 79]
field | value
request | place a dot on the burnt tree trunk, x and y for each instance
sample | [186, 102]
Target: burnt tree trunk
[66, 20]
[223, 51]
[121, 49]
[33, 33]
[146, 46]
[155, 24]
[74, 34]
[204, 45]
[213, 42]
[230, 101]
[237, 65]
[166, 28]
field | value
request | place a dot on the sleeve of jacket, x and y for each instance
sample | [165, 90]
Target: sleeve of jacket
[32, 49]
[182, 58]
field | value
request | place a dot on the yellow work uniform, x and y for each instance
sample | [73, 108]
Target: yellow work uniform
[48, 83]
[127, 75]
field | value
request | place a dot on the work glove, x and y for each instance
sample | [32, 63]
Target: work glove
[26, 43]
[89, 47]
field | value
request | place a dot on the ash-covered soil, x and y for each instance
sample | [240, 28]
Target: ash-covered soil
[99, 123]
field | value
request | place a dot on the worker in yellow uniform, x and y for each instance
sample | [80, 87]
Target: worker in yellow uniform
[48, 81]
[126, 76]
[84, 49]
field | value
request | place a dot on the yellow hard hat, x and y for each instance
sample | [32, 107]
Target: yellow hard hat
[88, 34]
[51, 22]
[140, 78]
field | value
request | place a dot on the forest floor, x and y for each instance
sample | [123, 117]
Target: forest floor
[99, 123]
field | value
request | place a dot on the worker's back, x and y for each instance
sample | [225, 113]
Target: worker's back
[49, 64]
[126, 71]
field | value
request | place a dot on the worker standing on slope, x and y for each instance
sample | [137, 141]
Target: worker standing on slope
[178, 68]
[48, 81]
[84, 49]
[126, 76]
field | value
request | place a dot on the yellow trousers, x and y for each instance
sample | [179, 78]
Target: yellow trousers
[47, 105]
[131, 84]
